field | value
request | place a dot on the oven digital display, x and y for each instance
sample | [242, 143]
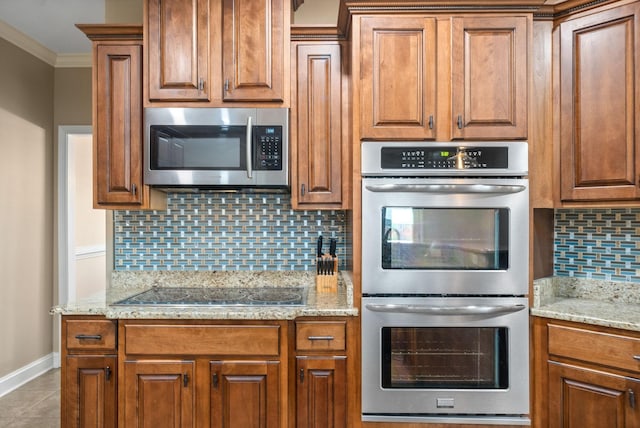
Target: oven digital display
[444, 157]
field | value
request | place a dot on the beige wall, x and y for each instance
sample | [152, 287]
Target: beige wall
[123, 11]
[26, 225]
[314, 12]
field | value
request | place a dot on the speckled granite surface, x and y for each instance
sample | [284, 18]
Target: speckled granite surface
[605, 303]
[125, 284]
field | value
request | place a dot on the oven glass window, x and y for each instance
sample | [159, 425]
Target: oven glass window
[445, 238]
[198, 147]
[445, 357]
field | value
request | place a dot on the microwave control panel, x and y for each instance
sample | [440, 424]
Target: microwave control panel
[267, 144]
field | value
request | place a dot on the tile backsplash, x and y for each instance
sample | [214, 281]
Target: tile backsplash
[598, 244]
[225, 231]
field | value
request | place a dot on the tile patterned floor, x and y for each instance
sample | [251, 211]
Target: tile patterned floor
[36, 404]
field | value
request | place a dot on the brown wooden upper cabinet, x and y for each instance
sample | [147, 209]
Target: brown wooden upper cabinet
[214, 52]
[317, 126]
[253, 52]
[178, 49]
[398, 77]
[600, 105]
[117, 119]
[439, 77]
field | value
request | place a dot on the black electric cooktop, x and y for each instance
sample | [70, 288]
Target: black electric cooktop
[218, 296]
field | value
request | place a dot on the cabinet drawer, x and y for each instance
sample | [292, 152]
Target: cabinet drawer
[595, 347]
[320, 336]
[202, 340]
[91, 335]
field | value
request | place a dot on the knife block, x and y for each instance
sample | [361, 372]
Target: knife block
[328, 283]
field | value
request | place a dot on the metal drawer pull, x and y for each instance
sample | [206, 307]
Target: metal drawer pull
[632, 398]
[88, 337]
[446, 310]
[636, 357]
[108, 373]
[320, 338]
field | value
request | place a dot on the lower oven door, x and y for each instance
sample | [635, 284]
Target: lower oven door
[433, 358]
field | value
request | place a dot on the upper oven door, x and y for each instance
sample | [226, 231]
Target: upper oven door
[449, 236]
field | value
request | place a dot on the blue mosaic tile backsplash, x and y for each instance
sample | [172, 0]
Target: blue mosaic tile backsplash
[598, 244]
[225, 231]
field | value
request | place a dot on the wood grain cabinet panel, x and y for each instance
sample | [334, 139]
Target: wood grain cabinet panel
[159, 394]
[580, 397]
[322, 392]
[245, 394]
[178, 50]
[489, 64]
[89, 396]
[253, 42]
[316, 133]
[398, 77]
[600, 105]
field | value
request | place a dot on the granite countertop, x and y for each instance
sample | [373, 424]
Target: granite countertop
[604, 303]
[125, 284]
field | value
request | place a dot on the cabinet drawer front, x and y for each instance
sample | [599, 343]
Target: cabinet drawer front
[595, 347]
[320, 336]
[202, 340]
[91, 335]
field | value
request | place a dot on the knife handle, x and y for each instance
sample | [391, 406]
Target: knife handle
[332, 247]
[319, 249]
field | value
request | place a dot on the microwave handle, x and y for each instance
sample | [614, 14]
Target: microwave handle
[249, 149]
[446, 188]
[447, 310]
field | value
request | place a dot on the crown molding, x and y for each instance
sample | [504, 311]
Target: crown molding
[36, 49]
[73, 60]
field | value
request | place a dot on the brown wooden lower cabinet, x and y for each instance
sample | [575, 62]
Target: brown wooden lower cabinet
[585, 398]
[159, 394]
[89, 399]
[321, 394]
[585, 376]
[197, 373]
[245, 394]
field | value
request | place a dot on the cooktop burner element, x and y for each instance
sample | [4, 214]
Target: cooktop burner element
[209, 296]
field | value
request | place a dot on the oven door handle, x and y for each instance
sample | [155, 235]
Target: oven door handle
[445, 310]
[447, 188]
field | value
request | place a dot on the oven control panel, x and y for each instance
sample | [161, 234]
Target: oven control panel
[453, 157]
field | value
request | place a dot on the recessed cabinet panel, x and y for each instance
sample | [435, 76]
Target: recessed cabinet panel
[118, 132]
[317, 131]
[245, 394]
[89, 399]
[178, 49]
[398, 77]
[253, 50]
[489, 77]
[579, 397]
[600, 107]
[159, 393]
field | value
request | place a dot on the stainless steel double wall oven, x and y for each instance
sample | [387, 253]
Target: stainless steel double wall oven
[445, 238]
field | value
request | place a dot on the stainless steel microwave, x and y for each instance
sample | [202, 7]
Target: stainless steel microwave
[216, 148]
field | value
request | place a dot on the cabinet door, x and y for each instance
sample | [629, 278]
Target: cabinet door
[316, 131]
[159, 394]
[178, 49]
[398, 77]
[89, 395]
[600, 105]
[253, 50]
[489, 77]
[584, 398]
[245, 394]
[321, 398]
[118, 129]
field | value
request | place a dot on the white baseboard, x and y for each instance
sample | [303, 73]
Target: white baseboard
[24, 374]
